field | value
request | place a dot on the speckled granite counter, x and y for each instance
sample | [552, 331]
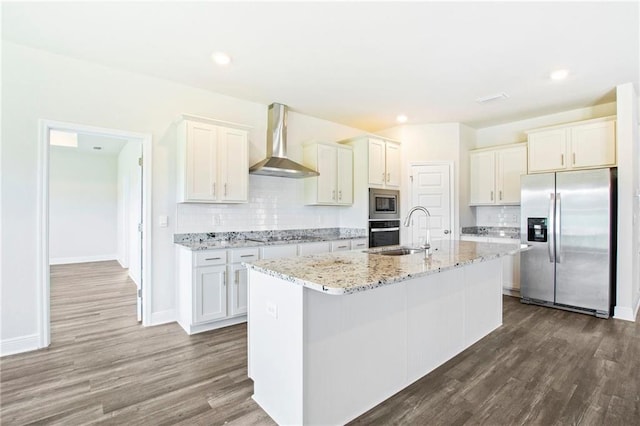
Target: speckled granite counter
[317, 358]
[230, 240]
[355, 271]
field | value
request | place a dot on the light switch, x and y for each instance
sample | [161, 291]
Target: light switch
[163, 221]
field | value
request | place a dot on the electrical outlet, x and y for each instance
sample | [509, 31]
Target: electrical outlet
[272, 310]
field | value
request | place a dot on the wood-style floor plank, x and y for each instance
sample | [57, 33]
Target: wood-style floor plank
[542, 367]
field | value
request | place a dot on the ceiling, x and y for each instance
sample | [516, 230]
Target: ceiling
[358, 63]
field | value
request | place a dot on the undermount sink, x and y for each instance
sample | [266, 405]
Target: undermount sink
[401, 251]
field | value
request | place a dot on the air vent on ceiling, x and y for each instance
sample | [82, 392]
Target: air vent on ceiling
[495, 97]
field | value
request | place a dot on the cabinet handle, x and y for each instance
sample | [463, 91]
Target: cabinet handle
[213, 258]
[340, 194]
[214, 189]
[224, 279]
[491, 195]
[500, 194]
[237, 276]
[574, 158]
[388, 177]
[247, 255]
[342, 246]
[333, 194]
[225, 189]
[383, 176]
[562, 159]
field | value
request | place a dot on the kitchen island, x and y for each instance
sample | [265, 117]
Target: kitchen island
[333, 335]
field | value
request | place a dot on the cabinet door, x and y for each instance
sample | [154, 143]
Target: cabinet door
[327, 167]
[202, 152]
[345, 176]
[547, 150]
[211, 294]
[483, 177]
[593, 144]
[234, 165]
[392, 165]
[512, 163]
[238, 291]
[377, 173]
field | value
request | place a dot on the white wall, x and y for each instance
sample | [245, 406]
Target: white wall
[628, 296]
[82, 206]
[437, 142]
[39, 85]
[129, 208]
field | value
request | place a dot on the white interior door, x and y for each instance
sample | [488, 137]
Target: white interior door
[431, 188]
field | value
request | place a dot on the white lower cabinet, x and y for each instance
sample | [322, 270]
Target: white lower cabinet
[212, 288]
[211, 294]
[360, 244]
[213, 284]
[273, 252]
[314, 248]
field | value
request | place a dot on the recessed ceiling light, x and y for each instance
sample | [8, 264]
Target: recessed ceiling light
[559, 74]
[221, 58]
[401, 118]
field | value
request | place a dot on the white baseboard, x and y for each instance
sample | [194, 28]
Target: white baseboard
[624, 313]
[19, 344]
[163, 317]
[82, 259]
[131, 277]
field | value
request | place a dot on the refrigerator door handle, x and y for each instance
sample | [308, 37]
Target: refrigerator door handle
[551, 228]
[557, 235]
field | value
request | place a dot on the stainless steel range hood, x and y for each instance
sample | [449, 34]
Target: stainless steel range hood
[277, 163]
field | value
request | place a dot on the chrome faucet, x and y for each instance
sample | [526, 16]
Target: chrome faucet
[427, 241]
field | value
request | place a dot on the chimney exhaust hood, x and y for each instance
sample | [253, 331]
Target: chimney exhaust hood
[277, 163]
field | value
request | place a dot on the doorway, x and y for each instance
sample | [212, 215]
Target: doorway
[431, 187]
[133, 184]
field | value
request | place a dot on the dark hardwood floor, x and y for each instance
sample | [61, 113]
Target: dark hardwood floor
[542, 366]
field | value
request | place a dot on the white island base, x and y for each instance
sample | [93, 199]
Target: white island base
[320, 359]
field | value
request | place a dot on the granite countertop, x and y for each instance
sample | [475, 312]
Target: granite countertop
[492, 232]
[233, 240]
[354, 271]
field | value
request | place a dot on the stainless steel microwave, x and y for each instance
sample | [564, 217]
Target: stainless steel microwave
[384, 204]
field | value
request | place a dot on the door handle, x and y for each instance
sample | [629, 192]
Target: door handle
[557, 234]
[551, 228]
[446, 231]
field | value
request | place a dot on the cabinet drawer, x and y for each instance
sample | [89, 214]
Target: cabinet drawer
[340, 245]
[243, 255]
[362, 243]
[208, 258]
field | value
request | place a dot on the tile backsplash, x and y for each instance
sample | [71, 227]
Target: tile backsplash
[508, 216]
[273, 204]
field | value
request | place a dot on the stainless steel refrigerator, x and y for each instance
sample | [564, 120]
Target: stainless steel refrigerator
[569, 220]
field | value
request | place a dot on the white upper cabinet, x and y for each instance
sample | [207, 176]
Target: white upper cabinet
[334, 185]
[495, 174]
[384, 163]
[213, 162]
[585, 144]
